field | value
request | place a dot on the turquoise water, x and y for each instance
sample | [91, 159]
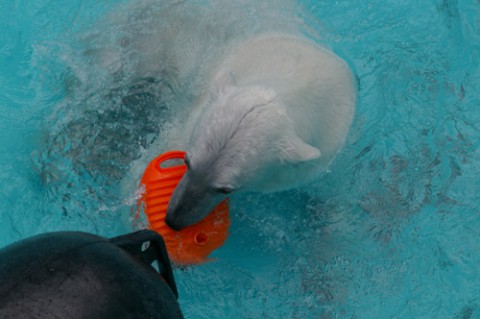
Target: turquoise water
[391, 231]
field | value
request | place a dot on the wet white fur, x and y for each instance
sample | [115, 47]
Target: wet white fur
[277, 112]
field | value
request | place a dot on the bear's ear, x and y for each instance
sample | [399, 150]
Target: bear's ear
[298, 151]
[223, 80]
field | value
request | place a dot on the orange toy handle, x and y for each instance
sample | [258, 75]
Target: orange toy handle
[169, 156]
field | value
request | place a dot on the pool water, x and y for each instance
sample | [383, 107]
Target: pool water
[390, 231]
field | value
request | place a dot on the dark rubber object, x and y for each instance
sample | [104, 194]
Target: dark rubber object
[78, 275]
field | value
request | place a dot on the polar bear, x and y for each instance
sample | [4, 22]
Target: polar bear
[278, 111]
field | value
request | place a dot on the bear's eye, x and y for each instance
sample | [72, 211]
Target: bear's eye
[224, 190]
[187, 160]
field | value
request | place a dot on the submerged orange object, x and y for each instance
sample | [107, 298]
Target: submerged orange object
[193, 244]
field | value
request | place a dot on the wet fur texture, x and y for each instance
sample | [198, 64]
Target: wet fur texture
[277, 112]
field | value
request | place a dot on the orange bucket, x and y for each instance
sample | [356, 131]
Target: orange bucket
[193, 244]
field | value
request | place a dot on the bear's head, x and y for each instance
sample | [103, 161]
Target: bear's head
[242, 138]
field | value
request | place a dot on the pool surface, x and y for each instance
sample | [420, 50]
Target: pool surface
[390, 231]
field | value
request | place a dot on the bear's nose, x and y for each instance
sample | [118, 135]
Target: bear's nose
[172, 223]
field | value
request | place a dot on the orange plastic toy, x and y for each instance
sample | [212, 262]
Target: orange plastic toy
[193, 244]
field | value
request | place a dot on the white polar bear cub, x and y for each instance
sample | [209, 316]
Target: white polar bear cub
[278, 111]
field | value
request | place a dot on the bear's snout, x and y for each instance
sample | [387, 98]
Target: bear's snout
[171, 222]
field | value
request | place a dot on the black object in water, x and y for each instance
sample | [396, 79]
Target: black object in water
[79, 275]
